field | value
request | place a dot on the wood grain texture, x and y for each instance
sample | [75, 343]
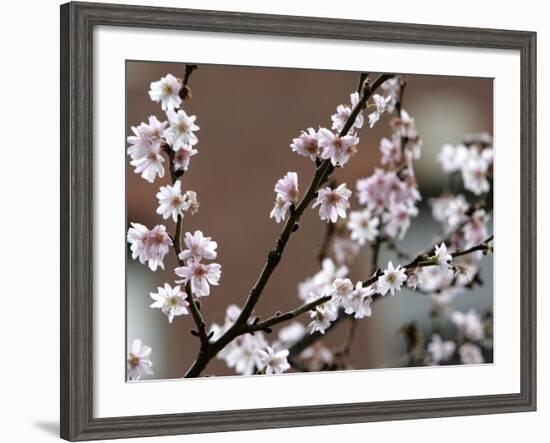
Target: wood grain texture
[77, 23]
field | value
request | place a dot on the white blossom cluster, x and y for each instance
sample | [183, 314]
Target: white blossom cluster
[152, 145]
[469, 345]
[328, 144]
[474, 162]
[250, 354]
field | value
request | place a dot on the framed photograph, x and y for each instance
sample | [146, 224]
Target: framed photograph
[272, 221]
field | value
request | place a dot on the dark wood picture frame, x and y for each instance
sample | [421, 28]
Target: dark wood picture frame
[77, 23]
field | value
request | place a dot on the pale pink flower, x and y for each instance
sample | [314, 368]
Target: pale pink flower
[391, 280]
[171, 201]
[307, 144]
[440, 350]
[359, 301]
[380, 103]
[391, 152]
[334, 202]
[343, 113]
[398, 219]
[171, 301]
[363, 226]
[290, 334]
[280, 209]
[452, 158]
[344, 249]
[317, 356]
[341, 290]
[322, 316]
[146, 138]
[287, 187]
[470, 354]
[183, 157]
[338, 149]
[200, 276]
[166, 91]
[474, 174]
[149, 165]
[392, 87]
[198, 247]
[180, 133]
[442, 255]
[193, 203]
[273, 362]
[138, 362]
[244, 353]
[149, 245]
[469, 324]
[475, 231]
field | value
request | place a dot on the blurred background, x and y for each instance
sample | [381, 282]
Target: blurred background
[248, 117]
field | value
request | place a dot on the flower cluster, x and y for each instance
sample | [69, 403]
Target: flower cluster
[138, 361]
[475, 164]
[149, 245]
[286, 190]
[199, 275]
[176, 134]
[250, 354]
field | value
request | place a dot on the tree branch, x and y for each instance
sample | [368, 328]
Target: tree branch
[322, 173]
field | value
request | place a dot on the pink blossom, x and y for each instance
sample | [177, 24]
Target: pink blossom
[200, 276]
[149, 245]
[343, 113]
[198, 247]
[334, 202]
[183, 157]
[338, 149]
[307, 144]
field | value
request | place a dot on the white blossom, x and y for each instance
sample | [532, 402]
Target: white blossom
[307, 144]
[171, 201]
[338, 149]
[380, 103]
[146, 138]
[391, 280]
[191, 199]
[180, 133]
[452, 158]
[322, 316]
[149, 245]
[200, 276]
[341, 290]
[183, 156]
[440, 350]
[198, 247]
[359, 301]
[398, 219]
[363, 226]
[171, 301]
[343, 113]
[166, 91]
[442, 256]
[391, 152]
[150, 164]
[334, 202]
[280, 209]
[138, 362]
[321, 283]
[474, 174]
[287, 187]
[470, 354]
[286, 190]
[244, 353]
[272, 361]
[291, 333]
[469, 324]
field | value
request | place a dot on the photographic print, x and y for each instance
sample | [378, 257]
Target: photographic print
[285, 220]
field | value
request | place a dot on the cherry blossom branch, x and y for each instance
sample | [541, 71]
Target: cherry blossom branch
[176, 240]
[266, 324]
[322, 173]
[421, 260]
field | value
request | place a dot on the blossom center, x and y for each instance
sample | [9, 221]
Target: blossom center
[133, 360]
